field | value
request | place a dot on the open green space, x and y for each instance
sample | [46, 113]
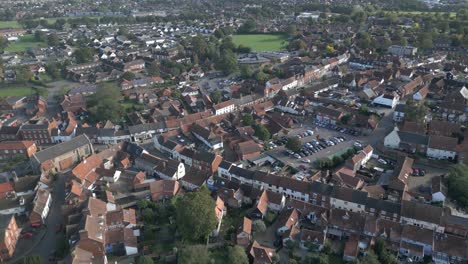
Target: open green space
[452, 14]
[4, 92]
[261, 42]
[9, 24]
[24, 43]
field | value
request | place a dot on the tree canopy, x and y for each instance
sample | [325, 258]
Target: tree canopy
[83, 55]
[262, 132]
[195, 215]
[294, 144]
[145, 260]
[457, 182]
[193, 255]
[237, 255]
[104, 104]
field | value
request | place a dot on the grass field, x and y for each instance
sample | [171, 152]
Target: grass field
[25, 42]
[4, 92]
[452, 14]
[9, 24]
[261, 42]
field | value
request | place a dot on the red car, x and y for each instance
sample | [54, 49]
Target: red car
[26, 235]
[35, 224]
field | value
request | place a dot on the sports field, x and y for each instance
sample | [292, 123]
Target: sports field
[9, 24]
[261, 42]
[4, 92]
[24, 43]
[451, 14]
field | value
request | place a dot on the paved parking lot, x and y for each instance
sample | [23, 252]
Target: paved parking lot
[329, 151]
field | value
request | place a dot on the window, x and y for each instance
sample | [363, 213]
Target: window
[315, 195]
[358, 206]
[6, 151]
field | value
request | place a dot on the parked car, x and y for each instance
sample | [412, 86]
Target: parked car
[382, 161]
[26, 235]
[415, 172]
[306, 160]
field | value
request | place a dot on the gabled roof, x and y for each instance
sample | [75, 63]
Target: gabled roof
[443, 143]
[62, 148]
[421, 212]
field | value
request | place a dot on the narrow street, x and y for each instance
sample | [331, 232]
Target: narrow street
[47, 244]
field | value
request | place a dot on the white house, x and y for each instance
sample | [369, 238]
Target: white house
[399, 114]
[386, 100]
[224, 107]
[392, 140]
[438, 190]
[170, 170]
[348, 199]
[440, 147]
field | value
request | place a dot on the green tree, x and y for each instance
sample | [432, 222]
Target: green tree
[370, 258]
[83, 55]
[337, 160]
[195, 215]
[237, 255]
[129, 76]
[53, 40]
[153, 69]
[40, 36]
[415, 112]
[425, 41]
[215, 96]
[197, 254]
[145, 260]
[314, 258]
[291, 30]
[294, 144]
[259, 226]
[457, 182]
[30, 260]
[23, 74]
[262, 77]
[248, 27]
[228, 62]
[262, 132]
[104, 104]
[247, 120]
[246, 71]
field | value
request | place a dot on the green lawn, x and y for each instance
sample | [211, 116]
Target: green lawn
[24, 43]
[9, 24]
[261, 42]
[4, 92]
[452, 14]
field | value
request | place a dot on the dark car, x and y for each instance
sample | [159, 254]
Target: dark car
[422, 172]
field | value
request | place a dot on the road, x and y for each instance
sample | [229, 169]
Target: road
[54, 219]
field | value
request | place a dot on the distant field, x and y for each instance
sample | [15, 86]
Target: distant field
[9, 24]
[452, 14]
[4, 92]
[25, 42]
[261, 42]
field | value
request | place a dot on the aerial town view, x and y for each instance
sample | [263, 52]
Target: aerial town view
[233, 131]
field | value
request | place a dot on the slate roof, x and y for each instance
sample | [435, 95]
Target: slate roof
[62, 148]
[413, 138]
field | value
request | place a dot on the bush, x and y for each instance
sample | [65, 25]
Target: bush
[259, 226]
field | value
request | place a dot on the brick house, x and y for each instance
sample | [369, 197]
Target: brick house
[9, 234]
[11, 149]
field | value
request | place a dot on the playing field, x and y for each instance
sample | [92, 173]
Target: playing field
[9, 24]
[261, 42]
[451, 14]
[4, 92]
[24, 43]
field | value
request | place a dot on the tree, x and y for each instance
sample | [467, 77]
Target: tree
[40, 36]
[104, 104]
[248, 27]
[83, 55]
[237, 255]
[193, 255]
[415, 112]
[53, 40]
[294, 144]
[370, 258]
[215, 96]
[153, 69]
[262, 132]
[129, 76]
[259, 226]
[262, 77]
[228, 63]
[425, 41]
[30, 260]
[247, 120]
[195, 215]
[291, 30]
[337, 160]
[23, 74]
[457, 182]
[145, 260]
[246, 71]
[314, 258]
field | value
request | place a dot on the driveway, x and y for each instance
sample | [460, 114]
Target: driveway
[47, 244]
